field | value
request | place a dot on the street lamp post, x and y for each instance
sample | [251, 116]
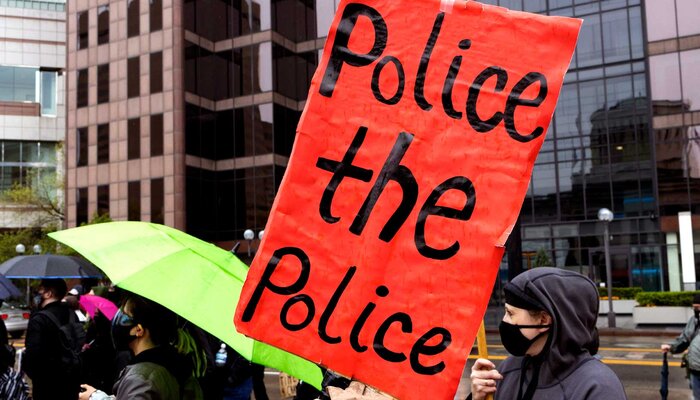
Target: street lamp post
[606, 216]
[249, 235]
[20, 249]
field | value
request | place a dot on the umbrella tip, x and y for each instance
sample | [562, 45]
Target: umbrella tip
[235, 247]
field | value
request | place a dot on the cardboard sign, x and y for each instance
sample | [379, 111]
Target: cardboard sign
[411, 162]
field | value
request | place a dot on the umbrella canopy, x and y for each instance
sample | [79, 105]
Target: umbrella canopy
[92, 303]
[49, 266]
[193, 278]
[7, 289]
[664, 378]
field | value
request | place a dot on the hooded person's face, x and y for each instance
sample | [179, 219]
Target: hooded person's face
[520, 330]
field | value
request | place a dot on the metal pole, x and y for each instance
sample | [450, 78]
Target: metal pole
[608, 272]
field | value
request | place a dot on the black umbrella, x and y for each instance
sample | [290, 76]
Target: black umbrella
[664, 378]
[49, 266]
[7, 289]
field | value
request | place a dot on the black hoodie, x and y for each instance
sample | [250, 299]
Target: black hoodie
[568, 369]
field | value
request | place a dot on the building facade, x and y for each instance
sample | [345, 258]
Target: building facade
[32, 107]
[184, 112]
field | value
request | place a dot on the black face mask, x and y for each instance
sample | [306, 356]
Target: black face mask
[121, 330]
[513, 339]
[697, 312]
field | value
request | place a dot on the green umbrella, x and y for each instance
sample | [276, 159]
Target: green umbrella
[195, 279]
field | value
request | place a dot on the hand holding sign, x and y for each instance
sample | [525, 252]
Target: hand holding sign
[409, 169]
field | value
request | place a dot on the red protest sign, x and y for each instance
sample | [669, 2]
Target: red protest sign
[410, 165]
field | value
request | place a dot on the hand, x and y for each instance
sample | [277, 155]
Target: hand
[484, 376]
[665, 348]
[85, 392]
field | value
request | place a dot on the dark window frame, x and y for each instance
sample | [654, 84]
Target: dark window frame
[103, 143]
[103, 83]
[102, 24]
[157, 133]
[133, 77]
[133, 138]
[81, 147]
[133, 19]
[156, 65]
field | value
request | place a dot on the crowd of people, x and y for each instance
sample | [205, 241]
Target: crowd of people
[144, 352]
[147, 352]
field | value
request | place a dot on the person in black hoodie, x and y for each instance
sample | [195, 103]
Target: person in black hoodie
[42, 360]
[550, 329]
[157, 370]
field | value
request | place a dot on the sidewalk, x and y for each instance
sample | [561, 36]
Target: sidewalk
[624, 325]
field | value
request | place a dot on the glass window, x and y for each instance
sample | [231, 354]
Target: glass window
[294, 19]
[103, 24]
[133, 77]
[665, 77]
[134, 138]
[156, 72]
[133, 18]
[616, 43]
[102, 83]
[567, 115]
[134, 211]
[103, 143]
[636, 32]
[81, 147]
[690, 74]
[12, 151]
[156, 135]
[18, 84]
[157, 201]
[589, 50]
[103, 200]
[535, 5]
[48, 92]
[83, 30]
[155, 12]
[544, 191]
[688, 17]
[661, 19]
[82, 92]
[81, 207]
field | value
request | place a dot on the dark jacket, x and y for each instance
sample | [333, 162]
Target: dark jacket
[158, 373]
[42, 357]
[567, 369]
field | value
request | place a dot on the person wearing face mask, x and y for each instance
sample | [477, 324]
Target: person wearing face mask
[549, 328]
[688, 339]
[157, 370]
[44, 358]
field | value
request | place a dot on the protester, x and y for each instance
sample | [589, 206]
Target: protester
[99, 357]
[549, 328]
[12, 384]
[48, 360]
[688, 340]
[157, 370]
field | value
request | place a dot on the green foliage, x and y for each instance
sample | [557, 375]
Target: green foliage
[43, 193]
[623, 293]
[542, 259]
[679, 299]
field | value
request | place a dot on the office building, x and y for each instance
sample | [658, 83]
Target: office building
[184, 113]
[32, 107]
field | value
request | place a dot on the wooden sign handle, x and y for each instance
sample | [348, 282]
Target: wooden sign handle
[482, 347]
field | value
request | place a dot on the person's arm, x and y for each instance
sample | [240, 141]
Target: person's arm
[683, 340]
[136, 387]
[483, 378]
